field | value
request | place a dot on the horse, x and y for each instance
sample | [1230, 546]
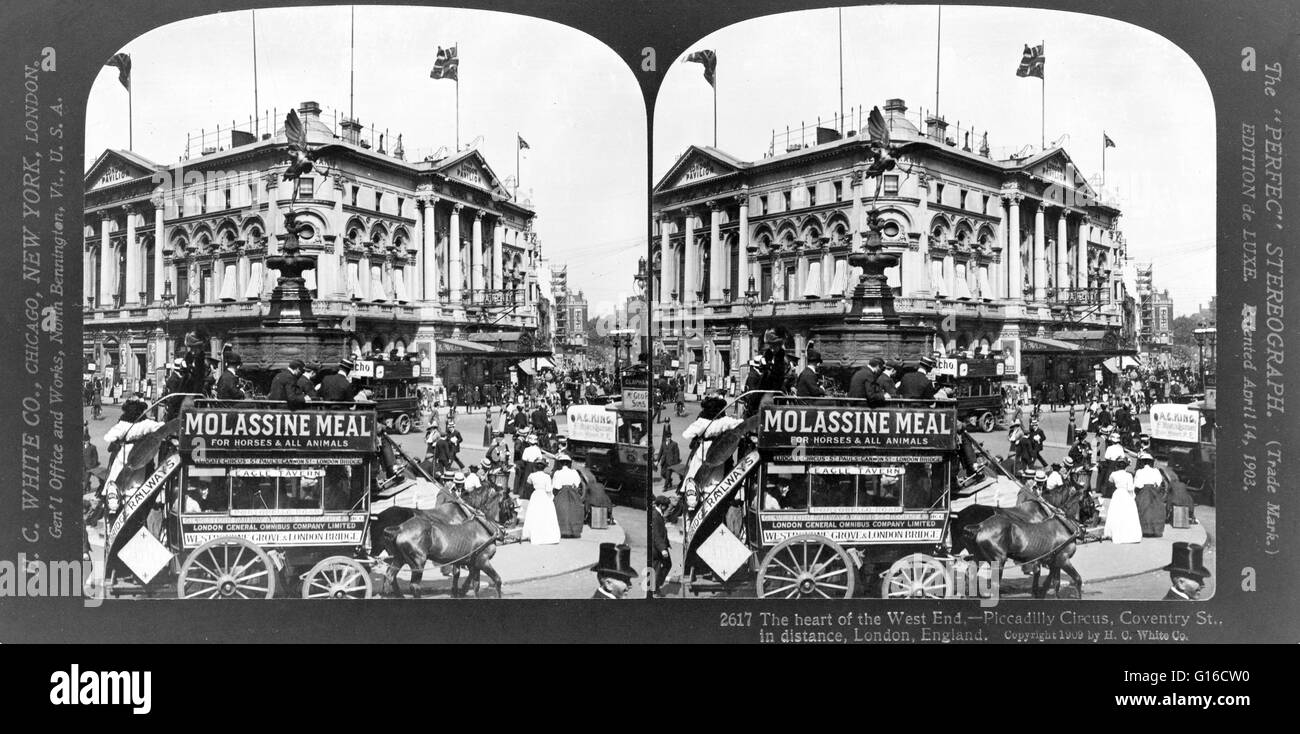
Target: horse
[1029, 508]
[456, 534]
[1030, 543]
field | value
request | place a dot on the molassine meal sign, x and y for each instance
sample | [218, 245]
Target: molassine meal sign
[278, 430]
[818, 427]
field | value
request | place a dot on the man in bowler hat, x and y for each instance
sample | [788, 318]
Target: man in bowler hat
[285, 385]
[614, 572]
[1186, 572]
[228, 382]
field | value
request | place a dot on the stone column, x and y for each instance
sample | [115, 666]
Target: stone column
[335, 285]
[87, 273]
[429, 247]
[107, 263]
[800, 276]
[717, 258]
[1062, 257]
[950, 273]
[159, 242]
[667, 261]
[858, 179]
[1040, 253]
[273, 219]
[828, 270]
[1081, 255]
[691, 282]
[456, 276]
[742, 248]
[133, 260]
[476, 252]
[916, 264]
[364, 278]
[1015, 273]
[498, 235]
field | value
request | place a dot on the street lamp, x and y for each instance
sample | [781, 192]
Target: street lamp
[1204, 333]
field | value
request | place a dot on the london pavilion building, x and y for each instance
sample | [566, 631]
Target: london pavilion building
[430, 256]
[1013, 257]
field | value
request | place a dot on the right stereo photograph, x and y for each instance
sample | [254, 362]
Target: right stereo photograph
[932, 315]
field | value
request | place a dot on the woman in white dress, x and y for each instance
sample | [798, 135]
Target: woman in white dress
[541, 527]
[1123, 524]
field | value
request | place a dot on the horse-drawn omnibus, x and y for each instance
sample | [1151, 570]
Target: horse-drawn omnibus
[977, 386]
[253, 498]
[824, 497]
[1185, 435]
[394, 386]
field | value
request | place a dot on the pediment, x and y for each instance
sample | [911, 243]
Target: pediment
[695, 166]
[114, 167]
[471, 168]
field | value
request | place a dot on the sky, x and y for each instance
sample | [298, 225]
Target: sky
[571, 98]
[1101, 74]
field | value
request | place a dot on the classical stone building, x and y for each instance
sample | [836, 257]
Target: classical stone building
[1014, 256]
[407, 252]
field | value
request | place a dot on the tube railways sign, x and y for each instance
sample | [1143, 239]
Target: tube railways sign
[278, 430]
[835, 427]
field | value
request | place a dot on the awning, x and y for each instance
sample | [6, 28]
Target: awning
[1044, 344]
[530, 367]
[1119, 364]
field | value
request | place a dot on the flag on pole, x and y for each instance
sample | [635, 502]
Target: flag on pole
[1106, 141]
[122, 62]
[1033, 62]
[710, 61]
[447, 65]
[523, 144]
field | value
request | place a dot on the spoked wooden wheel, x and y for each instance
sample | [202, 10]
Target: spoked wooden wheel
[402, 424]
[338, 577]
[916, 576]
[227, 568]
[807, 567]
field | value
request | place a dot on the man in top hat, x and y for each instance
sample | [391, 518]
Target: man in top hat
[1037, 439]
[863, 383]
[808, 385]
[1187, 573]
[285, 385]
[454, 440]
[614, 572]
[916, 384]
[228, 382]
[337, 385]
[661, 559]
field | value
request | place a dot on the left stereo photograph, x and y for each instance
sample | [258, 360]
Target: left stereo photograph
[361, 310]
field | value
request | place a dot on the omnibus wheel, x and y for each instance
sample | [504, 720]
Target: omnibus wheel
[916, 576]
[338, 577]
[807, 567]
[987, 423]
[402, 424]
[227, 568]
